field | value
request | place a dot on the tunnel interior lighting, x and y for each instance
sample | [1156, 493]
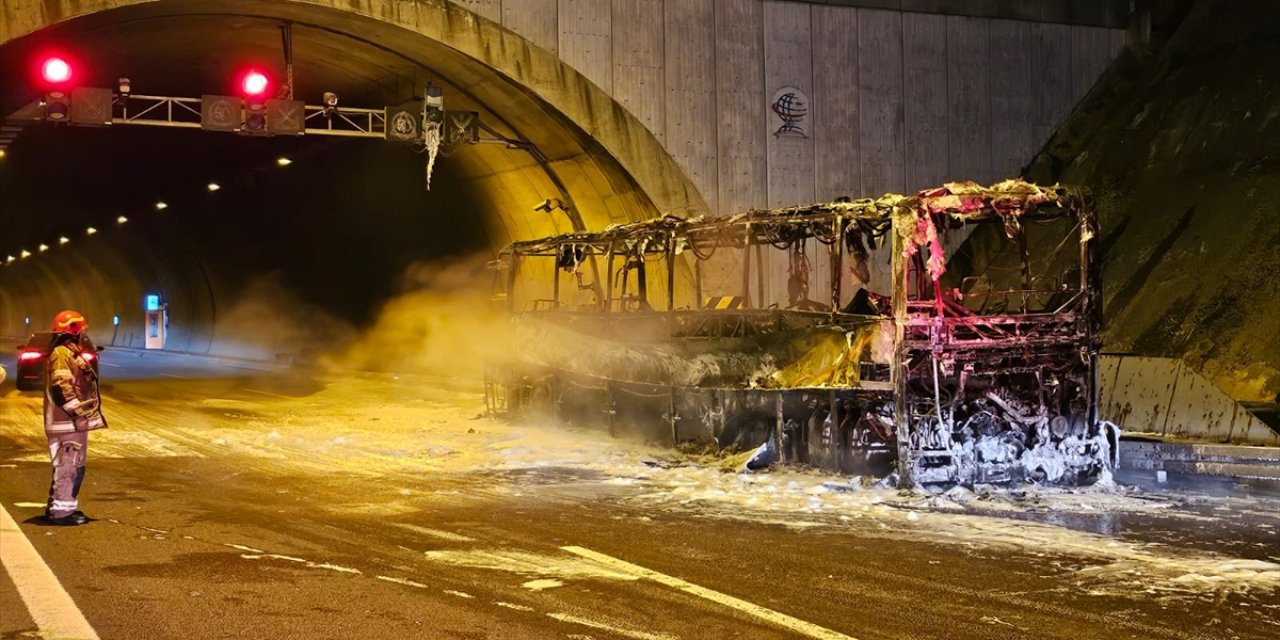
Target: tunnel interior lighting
[283, 161]
[1, 153]
[63, 240]
[9, 259]
[161, 206]
[43, 247]
[90, 231]
[121, 220]
[55, 70]
[213, 186]
[24, 254]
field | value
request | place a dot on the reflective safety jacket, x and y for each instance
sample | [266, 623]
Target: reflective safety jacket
[71, 398]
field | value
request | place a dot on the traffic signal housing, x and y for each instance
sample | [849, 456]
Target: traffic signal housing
[55, 73]
[57, 106]
[254, 86]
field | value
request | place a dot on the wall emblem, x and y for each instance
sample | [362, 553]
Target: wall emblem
[791, 106]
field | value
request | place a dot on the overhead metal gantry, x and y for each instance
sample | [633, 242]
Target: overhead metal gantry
[459, 127]
[168, 111]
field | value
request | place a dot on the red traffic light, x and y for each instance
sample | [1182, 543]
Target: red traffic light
[55, 70]
[254, 83]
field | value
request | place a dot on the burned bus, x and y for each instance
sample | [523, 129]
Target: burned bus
[875, 355]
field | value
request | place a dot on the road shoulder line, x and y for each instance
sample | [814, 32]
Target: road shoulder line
[769, 615]
[48, 603]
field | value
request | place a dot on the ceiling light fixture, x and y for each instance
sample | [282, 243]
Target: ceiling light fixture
[161, 206]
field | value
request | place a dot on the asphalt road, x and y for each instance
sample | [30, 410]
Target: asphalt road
[234, 501]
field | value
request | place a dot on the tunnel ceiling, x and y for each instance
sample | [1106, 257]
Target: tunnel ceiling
[197, 47]
[198, 54]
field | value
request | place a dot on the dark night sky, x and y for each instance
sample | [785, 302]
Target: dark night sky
[340, 224]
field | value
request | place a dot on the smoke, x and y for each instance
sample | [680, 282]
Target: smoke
[268, 320]
[443, 324]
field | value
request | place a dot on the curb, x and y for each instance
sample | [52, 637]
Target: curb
[1242, 462]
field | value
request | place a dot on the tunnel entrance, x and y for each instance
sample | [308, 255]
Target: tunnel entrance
[338, 227]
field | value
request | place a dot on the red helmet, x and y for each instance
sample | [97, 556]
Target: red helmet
[68, 321]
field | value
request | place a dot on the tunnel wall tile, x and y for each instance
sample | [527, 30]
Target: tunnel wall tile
[638, 65]
[925, 88]
[837, 147]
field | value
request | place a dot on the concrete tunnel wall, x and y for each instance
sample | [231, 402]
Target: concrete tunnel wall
[622, 155]
[1180, 143]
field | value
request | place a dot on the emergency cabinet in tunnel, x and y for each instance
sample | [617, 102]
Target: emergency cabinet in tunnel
[157, 322]
[981, 377]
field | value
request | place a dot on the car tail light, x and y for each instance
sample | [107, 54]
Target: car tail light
[88, 356]
[30, 355]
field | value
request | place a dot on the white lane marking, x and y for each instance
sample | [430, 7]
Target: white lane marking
[638, 635]
[781, 619]
[171, 375]
[517, 607]
[435, 533]
[460, 594]
[543, 583]
[50, 606]
[403, 581]
[108, 364]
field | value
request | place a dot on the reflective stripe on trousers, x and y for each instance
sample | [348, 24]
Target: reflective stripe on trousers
[67, 452]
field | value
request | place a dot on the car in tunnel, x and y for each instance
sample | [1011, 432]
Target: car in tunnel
[32, 355]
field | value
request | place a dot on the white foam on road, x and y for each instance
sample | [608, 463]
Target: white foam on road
[50, 606]
[797, 625]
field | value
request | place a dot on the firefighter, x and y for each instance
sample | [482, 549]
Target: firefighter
[72, 408]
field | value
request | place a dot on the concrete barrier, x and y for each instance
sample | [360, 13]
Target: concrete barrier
[1164, 397]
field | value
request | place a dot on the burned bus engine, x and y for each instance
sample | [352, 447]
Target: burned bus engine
[941, 371]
